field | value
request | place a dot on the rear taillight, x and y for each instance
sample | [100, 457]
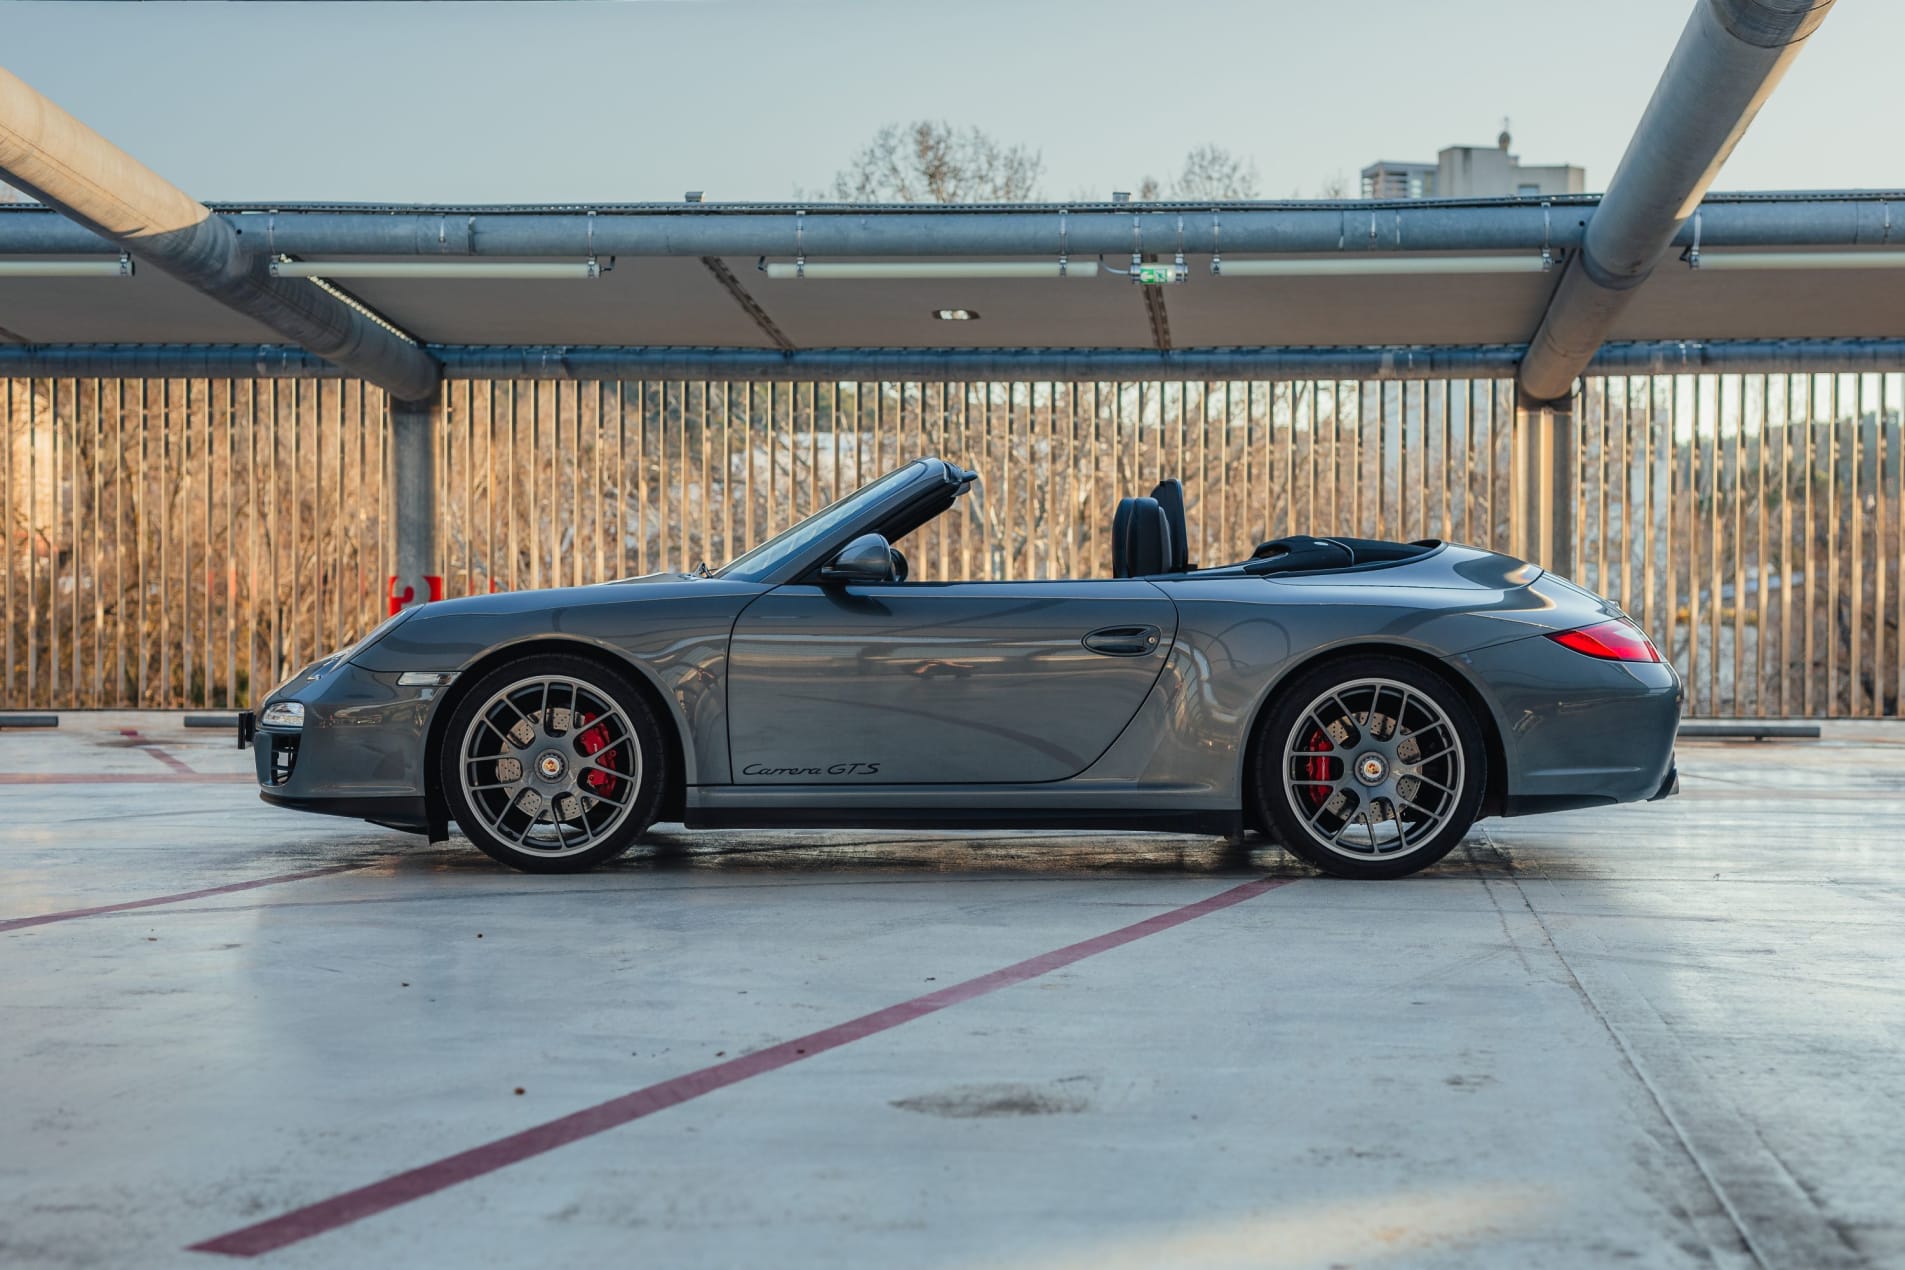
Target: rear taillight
[1616, 640]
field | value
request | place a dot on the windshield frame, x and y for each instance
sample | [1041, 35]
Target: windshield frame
[796, 549]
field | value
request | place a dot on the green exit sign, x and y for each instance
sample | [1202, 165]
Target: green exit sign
[1160, 275]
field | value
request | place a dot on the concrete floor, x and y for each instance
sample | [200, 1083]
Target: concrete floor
[1658, 1035]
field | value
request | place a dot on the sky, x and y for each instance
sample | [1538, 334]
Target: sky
[640, 100]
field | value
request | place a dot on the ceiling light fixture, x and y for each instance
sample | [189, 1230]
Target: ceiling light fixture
[895, 270]
[119, 268]
[1880, 259]
[1376, 266]
[516, 269]
[956, 315]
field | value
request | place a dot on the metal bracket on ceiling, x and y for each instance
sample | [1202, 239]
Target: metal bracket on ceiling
[271, 235]
[125, 265]
[800, 243]
[1216, 244]
[1182, 268]
[443, 235]
[1137, 241]
[1692, 254]
[595, 269]
[1885, 230]
[1547, 232]
[1063, 243]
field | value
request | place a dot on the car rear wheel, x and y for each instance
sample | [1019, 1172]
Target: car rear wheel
[1370, 767]
[553, 763]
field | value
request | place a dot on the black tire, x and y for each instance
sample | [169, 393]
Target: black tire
[584, 798]
[1316, 781]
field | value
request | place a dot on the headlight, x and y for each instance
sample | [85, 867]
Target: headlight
[283, 714]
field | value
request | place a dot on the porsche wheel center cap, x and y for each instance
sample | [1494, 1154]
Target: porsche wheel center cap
[1371, 768]
[549, 765]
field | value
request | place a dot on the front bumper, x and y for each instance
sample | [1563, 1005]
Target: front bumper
[360, 752]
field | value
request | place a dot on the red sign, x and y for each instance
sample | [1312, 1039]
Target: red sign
[401, 600]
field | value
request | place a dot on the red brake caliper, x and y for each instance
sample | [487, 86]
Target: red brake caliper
[1317, 767]
[595, 743]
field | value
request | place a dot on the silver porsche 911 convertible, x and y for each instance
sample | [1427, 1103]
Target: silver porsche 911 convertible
[1360, 702]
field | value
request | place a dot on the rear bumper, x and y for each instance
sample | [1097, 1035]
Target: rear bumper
[1577, 731]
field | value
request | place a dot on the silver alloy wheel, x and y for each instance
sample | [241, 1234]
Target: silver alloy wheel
[1374, 769]
[551, 764]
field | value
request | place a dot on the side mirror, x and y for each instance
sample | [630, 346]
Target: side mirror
[868, 558]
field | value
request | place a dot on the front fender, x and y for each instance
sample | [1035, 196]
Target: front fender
[675, 635]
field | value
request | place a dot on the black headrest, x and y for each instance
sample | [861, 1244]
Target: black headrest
[1170, 496]
[1140, 539]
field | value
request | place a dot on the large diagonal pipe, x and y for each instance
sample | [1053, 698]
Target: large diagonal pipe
[68, 166]
[1730, 57]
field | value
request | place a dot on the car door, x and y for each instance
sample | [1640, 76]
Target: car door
[903, 683]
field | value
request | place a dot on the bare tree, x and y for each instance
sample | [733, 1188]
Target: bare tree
[1214, 173]
[930, 161]
[1211, 174]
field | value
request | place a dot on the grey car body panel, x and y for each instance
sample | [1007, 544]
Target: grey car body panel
[939, 683]
[670, 628]
[363, 741]
[800, 703]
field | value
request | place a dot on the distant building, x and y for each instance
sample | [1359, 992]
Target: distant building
[1472, 172]
[1386, 178]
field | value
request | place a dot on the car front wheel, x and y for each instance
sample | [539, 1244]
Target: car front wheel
[1370, 767]
[553, 763]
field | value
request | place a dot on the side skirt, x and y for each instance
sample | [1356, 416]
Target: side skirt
[1218, 824]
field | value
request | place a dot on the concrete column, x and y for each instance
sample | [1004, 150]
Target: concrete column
[413, 446]
[1542, 512]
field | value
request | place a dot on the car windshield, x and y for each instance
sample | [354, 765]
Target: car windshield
[798, 538]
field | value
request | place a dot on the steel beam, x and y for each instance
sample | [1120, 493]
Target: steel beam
[413, 448]
[1731, 55]
[1826, 219]
[960, 365]
[1541, 514]
[73, 169]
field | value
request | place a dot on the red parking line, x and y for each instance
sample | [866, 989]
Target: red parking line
[366, 1201]
[16, 923]
[152, 748]
[120, 778]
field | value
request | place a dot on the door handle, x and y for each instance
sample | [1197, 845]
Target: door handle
[1123, 641]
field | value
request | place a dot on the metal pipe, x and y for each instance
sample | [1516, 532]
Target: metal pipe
[69, 167]
[1824, 219]
[1730, 57]
[977, 365]
[959, 365]
[1752, 357]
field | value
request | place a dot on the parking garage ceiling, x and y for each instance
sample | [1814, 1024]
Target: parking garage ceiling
[1352, 275]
